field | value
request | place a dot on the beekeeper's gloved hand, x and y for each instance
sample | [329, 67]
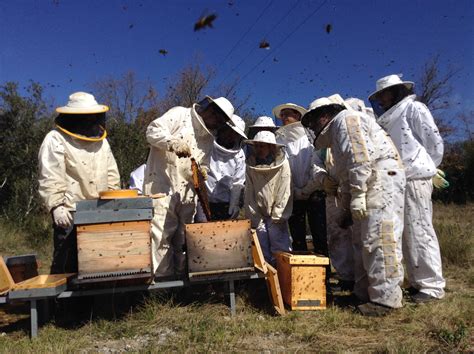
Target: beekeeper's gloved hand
[358, 205]
[204, 171]
[62, 217]
[180, 148]
[329, 185]
[439, 180]
[234, 208]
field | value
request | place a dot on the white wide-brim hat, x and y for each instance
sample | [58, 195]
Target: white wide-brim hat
[238, 126]
[277, 110]
[224, 104]
[263, 122]
[263, 137]
[318, 103]
[82, 103]
[389, 81]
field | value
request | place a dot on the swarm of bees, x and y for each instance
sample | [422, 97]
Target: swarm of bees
[204, 21]
[264, 44]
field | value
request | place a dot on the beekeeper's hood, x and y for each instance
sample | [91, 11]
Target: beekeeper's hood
[82, 118]
[267, 138]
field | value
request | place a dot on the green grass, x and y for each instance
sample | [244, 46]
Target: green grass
[161, 323]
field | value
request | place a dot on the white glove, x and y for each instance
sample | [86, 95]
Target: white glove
[330, 185]
[358, 205]
[180, 148]
[62, 217]
[439, 180]
[204, 171]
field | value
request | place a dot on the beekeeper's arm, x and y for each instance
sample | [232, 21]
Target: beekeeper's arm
[113, 175]
[238, 180]
[317, 179]
[282, 196]
[426, 132]
[52, 171]
[251, 208]
[355, 144]
[162, 132]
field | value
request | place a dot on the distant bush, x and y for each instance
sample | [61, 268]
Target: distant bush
[458, 164]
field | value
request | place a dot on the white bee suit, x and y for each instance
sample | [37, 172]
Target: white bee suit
[414, 133]
[365, 161]
[226, 176]
[299, 151]
[71, 169]
[268, 203]
[168, 174]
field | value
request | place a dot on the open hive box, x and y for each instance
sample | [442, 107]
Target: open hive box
[113, 238]
[38, 286]
[219, 247]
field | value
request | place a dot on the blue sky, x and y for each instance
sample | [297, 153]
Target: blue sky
[73, 43]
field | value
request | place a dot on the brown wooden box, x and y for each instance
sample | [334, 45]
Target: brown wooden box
[118, 248]
[302, 280]
[219, 247]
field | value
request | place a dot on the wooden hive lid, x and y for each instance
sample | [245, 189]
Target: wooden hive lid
[303, 258]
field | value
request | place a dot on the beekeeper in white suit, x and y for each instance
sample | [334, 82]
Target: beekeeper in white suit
[300, 152]
[368, 168]
[226, 177]
[180, 134]
[262, 123]
[268, 199]
[416, 136]
[75, 163]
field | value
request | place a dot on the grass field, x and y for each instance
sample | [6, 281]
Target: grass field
[164, 323]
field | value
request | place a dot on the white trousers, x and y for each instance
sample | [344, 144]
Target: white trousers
[341, 252]
[273, 238]
[378, 268]
[167, 231]
[420, 244]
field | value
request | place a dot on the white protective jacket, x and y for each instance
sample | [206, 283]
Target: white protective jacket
[416, 136]
[299, 151]
[165, 172]
[358, 145]
[226, 176]
[71, 170]
[268, 190]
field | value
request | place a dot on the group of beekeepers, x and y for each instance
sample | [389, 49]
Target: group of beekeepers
[361, 177]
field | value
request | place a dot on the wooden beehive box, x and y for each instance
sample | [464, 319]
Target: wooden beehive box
[113, 239]
[219, 247]
[302, 280]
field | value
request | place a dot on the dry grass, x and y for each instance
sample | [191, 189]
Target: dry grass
[161, 323]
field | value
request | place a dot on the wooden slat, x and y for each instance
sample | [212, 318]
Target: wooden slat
[273, 285]
[116, 226]
[258, 259]
[43, 281]
[106, 216]
[6, 280]
[102, 265]
[218, 245]
[114, 204]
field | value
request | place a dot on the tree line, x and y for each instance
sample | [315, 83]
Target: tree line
[27, 115]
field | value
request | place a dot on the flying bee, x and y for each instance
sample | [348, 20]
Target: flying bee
[264, 44]
[328, 28]
[163, 52]
[204, 21]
